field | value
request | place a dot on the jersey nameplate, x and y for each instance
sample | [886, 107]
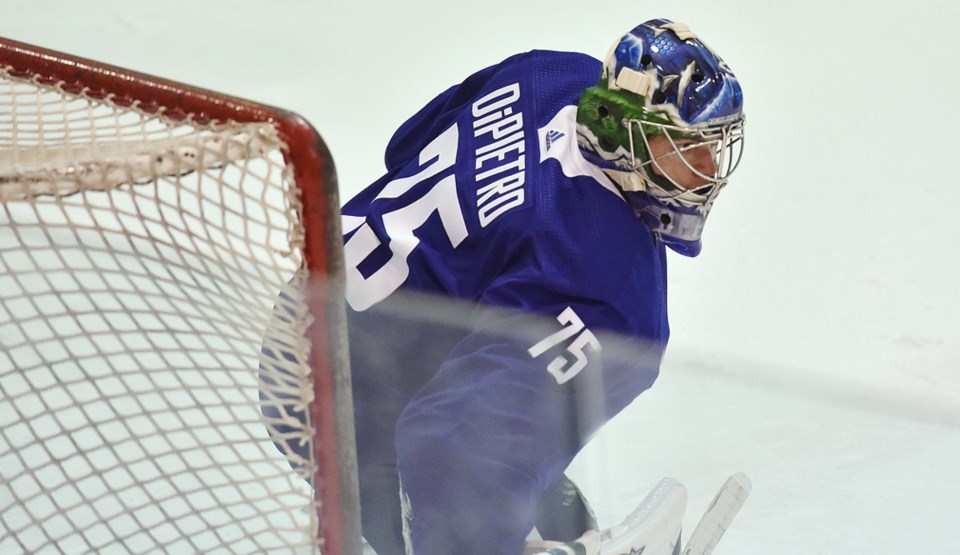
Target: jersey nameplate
[500, 155]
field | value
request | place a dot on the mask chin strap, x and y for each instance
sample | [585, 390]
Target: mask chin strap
[673, 219]
[670, 223]
[676, 227]
[678, 230]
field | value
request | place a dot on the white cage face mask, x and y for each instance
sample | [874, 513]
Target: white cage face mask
[687, 171]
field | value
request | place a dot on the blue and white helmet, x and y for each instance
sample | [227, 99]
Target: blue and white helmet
[665, 122]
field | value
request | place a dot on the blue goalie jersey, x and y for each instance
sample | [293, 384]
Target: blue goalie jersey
[488, 201]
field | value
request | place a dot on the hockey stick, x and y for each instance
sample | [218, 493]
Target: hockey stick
[718, 516]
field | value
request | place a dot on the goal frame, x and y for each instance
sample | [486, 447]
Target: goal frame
[336, 487]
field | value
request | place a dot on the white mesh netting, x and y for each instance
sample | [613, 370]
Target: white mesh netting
[141, 265]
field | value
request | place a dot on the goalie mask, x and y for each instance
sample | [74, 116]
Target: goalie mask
[665, 122]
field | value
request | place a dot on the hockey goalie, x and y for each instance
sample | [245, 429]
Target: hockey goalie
[539, 197]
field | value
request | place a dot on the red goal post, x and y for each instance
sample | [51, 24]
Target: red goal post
[159, 194]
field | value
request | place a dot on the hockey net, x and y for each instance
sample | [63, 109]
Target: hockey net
[172, 367]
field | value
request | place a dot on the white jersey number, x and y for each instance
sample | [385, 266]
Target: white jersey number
[439, 155]
[562, 368]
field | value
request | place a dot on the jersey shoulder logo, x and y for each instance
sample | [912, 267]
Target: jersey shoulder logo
[567, 153]
[553, 136]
